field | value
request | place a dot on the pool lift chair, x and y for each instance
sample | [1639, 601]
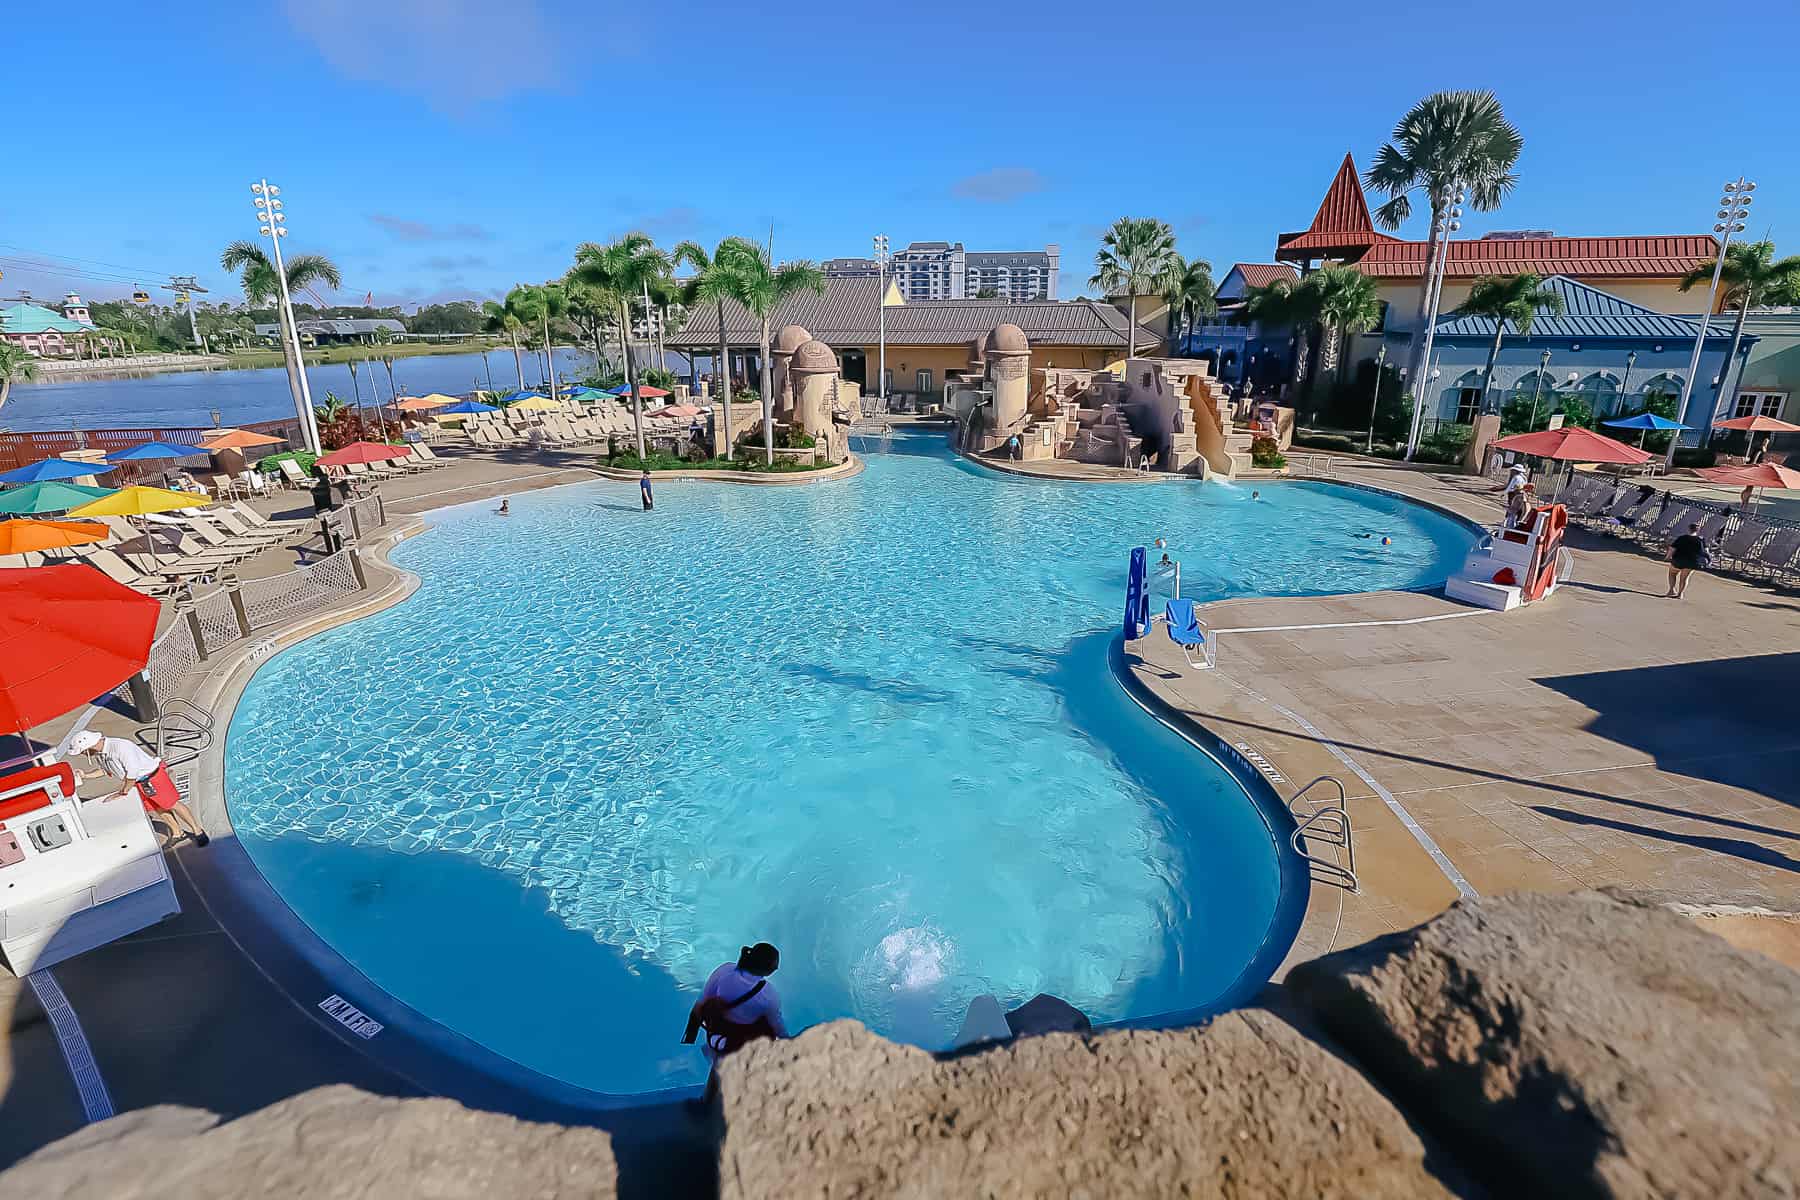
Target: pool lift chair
[1189, 632]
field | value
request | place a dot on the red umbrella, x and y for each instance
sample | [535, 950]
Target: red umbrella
[67, 635]
[1572, 443]
[364, 452]
[1758, 424]
[1761, 475]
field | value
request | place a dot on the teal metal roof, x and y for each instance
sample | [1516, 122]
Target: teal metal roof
[32, 318]
[1587, 313]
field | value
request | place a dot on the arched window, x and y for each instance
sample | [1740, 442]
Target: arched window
[1600, 392]
[1533, 383]
[1667, 384]
[1468, 390]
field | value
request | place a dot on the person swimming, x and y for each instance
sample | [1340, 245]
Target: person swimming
[504, 510]
[1255, 495]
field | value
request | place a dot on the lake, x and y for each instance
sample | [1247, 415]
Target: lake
[187, 399]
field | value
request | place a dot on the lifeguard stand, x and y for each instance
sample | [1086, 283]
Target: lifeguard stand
[1511, 567]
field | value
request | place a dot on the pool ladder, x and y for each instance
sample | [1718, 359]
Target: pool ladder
[1327, 824]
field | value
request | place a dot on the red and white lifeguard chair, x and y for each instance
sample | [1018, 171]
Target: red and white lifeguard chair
[1515, 566]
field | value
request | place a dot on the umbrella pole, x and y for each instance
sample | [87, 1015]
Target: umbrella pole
[150, 544]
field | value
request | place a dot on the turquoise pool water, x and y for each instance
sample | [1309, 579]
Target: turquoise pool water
[870, 721]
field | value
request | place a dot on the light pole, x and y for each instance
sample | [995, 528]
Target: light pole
[1733, 206]
[1537, 389]
[1375, 398]
[881, 263]
[270, 223]
[1625, 384]
[1447, 224]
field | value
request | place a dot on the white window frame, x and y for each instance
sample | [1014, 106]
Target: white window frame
[1759, 402]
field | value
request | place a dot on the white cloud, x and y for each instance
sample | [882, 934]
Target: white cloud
[455, 53]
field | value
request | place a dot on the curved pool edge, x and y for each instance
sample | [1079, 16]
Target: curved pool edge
[441, 1061]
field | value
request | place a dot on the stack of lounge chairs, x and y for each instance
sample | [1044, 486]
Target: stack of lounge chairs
[1740, 542]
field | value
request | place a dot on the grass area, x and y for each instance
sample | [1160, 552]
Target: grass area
[342, 354]
[752, 464]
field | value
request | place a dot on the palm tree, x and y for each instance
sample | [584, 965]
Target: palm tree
[762, 287]
[712, 282]
[1191, 294]
[1137, 256]
[1446, 142]
[1278, 304]
[15, 363]
[1502, 298]
[621, 271]
[1751, 276]
[536, 306]
[1345, 303]
[498, 318]
[592, 312]
[257, 276]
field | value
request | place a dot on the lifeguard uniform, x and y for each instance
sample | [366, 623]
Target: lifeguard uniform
[131, 762]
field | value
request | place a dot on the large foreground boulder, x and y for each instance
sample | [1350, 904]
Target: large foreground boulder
[1579, 1046]
[336, 1142]
[1245, 1107]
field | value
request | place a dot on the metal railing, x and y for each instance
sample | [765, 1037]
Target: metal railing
[182, 728]
[1329, 825]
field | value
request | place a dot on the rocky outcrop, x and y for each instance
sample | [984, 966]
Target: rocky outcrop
[1579, 1046]
[1244, 1107]
[337, 1143]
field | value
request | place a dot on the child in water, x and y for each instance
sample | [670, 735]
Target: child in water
[504, 510]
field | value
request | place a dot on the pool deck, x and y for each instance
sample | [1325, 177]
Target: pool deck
[1606, 736]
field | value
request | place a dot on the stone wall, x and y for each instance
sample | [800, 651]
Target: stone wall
[1569, 1046]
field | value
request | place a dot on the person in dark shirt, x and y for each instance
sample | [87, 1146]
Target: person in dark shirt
[1687, 554]
[644, 487]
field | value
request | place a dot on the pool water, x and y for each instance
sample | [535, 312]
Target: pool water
[870, 721]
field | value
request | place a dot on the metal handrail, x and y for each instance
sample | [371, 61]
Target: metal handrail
[1329, 824]
[187, 720]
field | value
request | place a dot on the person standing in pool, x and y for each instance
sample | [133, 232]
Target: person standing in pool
[644, 487]
[739, 1004]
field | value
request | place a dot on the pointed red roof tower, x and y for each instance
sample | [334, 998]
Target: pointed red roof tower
[1341, 229]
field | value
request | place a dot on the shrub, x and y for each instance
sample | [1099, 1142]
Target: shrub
[1266, 452]
[270, 465]
[1446, 444]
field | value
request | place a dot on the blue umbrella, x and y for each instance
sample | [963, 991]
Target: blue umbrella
[463, 408]
[582, 392]
[53, 468]
[1646, 421]
[512, 399]
[150, 450]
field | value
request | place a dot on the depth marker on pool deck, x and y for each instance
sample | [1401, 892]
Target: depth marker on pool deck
[96, 1101]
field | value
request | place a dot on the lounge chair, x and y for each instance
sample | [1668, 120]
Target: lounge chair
[1738, 548]
[1186, 631]
[1712, 525]
[292, 476]
[429, 455]
[1675, 516]
[235, 526]
[1628, 506]
[226, 488]
[1777, 557]
[203, 539]
[251, 517]
[114, 567]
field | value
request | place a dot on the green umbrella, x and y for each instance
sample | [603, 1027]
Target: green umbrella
[49, 496]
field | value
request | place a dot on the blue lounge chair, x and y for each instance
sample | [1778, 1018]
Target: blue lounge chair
[1186, 631]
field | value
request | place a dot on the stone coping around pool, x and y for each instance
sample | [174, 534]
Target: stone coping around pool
[1062, 470]
[852, 465]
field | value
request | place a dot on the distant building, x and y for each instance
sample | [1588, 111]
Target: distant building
[45, 332]
[946, 271]
[334, 330]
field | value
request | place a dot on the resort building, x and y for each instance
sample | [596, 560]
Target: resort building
[945, 271]
[1238, 353]
[1611, 353]
[333, 331]
[926, 339]
[44, 332]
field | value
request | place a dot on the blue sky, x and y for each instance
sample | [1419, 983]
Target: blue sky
[440, 148]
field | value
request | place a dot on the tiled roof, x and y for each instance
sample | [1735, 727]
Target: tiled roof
[1617, 257]
[1263, 274]
[33, 318]
[847, 315]
[1342, 222]
[1587, 313]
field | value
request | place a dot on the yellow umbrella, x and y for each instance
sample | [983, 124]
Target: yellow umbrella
[21, 537]
[421, 403]
[138, 501]
[537, 404]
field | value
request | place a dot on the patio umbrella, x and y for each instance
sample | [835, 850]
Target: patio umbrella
[1645, 421]
[422, 403]
[363, 452]
[1756, 477]
[1572, 443]
[538, 404]
[677, 410]
[239, 439]
[1758, 424]
[67, 635]
[145, 451]
[48, 496]
[53, 468]
[139, 501]
[465, 407]
[25, 535]
[644, 390]
[515, 397]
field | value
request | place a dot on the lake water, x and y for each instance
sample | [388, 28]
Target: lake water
[187, 399]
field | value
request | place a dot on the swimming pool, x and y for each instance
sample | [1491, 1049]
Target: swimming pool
[868, 720]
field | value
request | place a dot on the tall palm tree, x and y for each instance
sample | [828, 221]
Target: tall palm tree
[622, 270]
[593, 313]
[498, 318]
[1345, 303]
[256, 273]
[762, 287]
[712, 282]
[1447, 141]
[15, 363]
[1192, 295]
[538, 305]
[1280, 304]
[1752, 276]
[1137, 255]
[1502, 298]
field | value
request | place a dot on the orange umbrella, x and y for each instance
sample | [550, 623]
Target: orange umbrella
[364, 452]
[239, 439]
[1572, 443]
[420, 403]
[22, 537]
[1758, 424]
[1760, 475]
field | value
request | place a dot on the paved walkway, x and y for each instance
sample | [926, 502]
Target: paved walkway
[1607, 736]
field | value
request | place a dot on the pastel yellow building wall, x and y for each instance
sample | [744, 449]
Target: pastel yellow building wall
[904, 361]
